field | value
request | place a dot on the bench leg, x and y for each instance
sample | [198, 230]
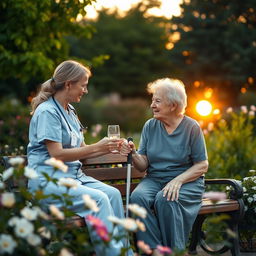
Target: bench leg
[235, 249]
[195, 233]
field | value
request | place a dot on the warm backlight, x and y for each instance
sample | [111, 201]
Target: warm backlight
[204, 107]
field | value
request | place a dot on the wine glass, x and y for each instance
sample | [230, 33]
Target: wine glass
[114, 131]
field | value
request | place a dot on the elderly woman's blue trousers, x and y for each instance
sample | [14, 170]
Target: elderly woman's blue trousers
[167, 223]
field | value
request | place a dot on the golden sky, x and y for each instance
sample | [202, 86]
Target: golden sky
[168, 7]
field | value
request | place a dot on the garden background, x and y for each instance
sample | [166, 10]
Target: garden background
[210, 46]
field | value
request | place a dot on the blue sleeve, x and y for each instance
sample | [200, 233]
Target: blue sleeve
[198, 147]
[48, 127]
[144, 139]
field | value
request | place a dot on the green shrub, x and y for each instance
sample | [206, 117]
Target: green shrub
[14, 123]
[231, 145]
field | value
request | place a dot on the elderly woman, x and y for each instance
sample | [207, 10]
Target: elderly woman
[55, 131]
[173, 153]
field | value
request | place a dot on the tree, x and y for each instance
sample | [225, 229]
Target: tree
[134, 47]
[33, 39]
[217, 45]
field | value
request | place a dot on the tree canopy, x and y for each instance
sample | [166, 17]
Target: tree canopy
[217, 45]
[32, 39]
[134, 49]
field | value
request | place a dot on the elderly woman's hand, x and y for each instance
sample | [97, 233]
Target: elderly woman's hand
[126, 147]
[172, 189]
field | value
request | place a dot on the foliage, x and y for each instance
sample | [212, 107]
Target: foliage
[231, 145]
[33, 40]
[130, 114]
[248, 224]
[13, 127]
[134, 56]
[216, 45]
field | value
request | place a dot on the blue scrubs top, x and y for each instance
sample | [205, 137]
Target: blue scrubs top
[51, 122]
[171, 154]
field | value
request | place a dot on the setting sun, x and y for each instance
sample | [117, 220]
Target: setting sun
[204, 107]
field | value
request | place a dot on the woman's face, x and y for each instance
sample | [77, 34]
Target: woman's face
[78, 89]
[161, 107]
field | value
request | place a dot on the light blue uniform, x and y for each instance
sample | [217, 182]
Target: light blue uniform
[169, 155]
[51, 122]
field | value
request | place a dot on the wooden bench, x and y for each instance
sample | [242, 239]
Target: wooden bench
[112, 169]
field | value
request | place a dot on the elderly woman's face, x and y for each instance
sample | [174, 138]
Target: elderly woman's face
[160, 105]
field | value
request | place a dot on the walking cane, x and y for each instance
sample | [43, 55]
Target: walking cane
[128, 179]
[128, 186]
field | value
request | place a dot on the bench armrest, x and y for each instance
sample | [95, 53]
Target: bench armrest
[237, 191]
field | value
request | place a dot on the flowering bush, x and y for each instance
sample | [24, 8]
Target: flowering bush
[248, 225]
[28, 229]
[231, 144]
[14, 119]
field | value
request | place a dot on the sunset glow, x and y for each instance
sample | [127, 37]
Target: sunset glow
[204, 108]
[167, 9]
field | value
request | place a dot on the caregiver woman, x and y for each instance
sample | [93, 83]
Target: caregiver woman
[55, 131]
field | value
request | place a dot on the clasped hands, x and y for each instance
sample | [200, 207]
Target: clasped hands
[119, 146]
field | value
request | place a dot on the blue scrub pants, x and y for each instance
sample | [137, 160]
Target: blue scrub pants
[108, 200]
[167, 223]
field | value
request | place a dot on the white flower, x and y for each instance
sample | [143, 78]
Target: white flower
[56, 212]
[34, 239]
[254, 187]
[68, 182]
[244, 109]
[252, 171]
[30, 173]
[228, 188]
[65, 252]
[245, 207]
[58, 164]
[41, 213]
[115, 220]
[138, 210]
[13, 221]
[252, 108]
[44, 232]
[229, 110]
[251, 113]
[28, 213]
[8, 199]
[90, 203]
[141, 225]
[16, 161]
[244, 189]
[250, 199]
[129, 224]
[2, 185]
[23, 228]
[7, 244]
[7, 173]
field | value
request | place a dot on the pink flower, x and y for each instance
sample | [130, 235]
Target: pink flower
[215, 196]
[144, 247]
[164, 249]
[102, 232]
[94, 221]
[99, 227]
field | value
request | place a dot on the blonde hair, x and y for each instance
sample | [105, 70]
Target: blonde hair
[68, 70]
[174, 92]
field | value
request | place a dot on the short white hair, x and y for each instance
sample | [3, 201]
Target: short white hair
[174, 91]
